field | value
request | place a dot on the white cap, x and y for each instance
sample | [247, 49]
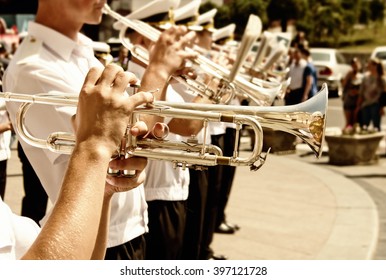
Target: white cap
[224, 32]
[206, 20]
[156, 12]
[100, 47]
[187, 14]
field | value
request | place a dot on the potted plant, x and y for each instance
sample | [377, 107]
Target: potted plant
[353, 145]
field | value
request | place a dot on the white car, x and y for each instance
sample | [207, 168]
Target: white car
[331, 67]
[380, 53]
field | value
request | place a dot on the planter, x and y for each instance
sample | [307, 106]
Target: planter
[353, 149]
[279, 141]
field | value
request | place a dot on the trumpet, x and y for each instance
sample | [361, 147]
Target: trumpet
[306, 120]
[189, 154]
[230, 84]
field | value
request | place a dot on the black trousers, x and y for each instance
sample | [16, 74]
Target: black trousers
[215, 175]
[167, 219]
[195, 213]
[34, 204]
[295, 96]
[228, 175]
[3, 177]
[132, 250]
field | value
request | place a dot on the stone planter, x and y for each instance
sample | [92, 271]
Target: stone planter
[279, 142]
[353, 149]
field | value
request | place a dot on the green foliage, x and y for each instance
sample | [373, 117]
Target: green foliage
[286, 10]
[241, 9]
[326, 22]
[377, 8]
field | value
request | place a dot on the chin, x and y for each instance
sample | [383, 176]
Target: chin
[96, 19]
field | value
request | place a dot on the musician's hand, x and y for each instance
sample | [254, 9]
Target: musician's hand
[136, 165]
[105, 107]
[122, 184]
[169, 52]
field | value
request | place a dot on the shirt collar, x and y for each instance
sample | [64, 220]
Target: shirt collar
[52, 39]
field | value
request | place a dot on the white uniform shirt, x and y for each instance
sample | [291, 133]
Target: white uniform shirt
[48, 61]
[296, 74]
[163, 182]
[17, 233]
[5, 137]
[214, 128]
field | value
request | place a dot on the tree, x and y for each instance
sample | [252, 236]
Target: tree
[241, 9]
[286, 10]
[237, 12]
[377, 8]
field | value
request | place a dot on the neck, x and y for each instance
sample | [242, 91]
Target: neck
[62, 24]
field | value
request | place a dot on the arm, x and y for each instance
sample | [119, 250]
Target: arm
[308, 83]
[5, 126]
[114, 185]
[167, 56]
[360, 97]
[187, 127]
[102, 115]
[347, 78]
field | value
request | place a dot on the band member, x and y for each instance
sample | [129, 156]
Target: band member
[166, 187]
[204, 190]
[78, 224]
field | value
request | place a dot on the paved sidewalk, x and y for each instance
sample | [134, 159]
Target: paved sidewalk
[290, 209]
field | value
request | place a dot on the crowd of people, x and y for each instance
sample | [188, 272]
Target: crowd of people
[171, 213]
[363, 88]
[362, 94]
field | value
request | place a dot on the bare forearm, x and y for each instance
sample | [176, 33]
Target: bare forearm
[307, 87]
[5, 127]
[71, 230]
[103, 232]
[187, 127]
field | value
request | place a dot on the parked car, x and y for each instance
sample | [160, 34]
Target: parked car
[331, 68]
[380, 53]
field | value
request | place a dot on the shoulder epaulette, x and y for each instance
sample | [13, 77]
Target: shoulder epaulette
[31, 48]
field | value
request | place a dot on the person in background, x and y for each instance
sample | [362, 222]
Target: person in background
[102, 52]
[371, 88]
[78, 225]
[300, 40]
[295, 92]
[310, 79]
[351, 84]
[123, 58]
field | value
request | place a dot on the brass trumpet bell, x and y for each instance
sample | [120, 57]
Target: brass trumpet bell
[306, 120]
